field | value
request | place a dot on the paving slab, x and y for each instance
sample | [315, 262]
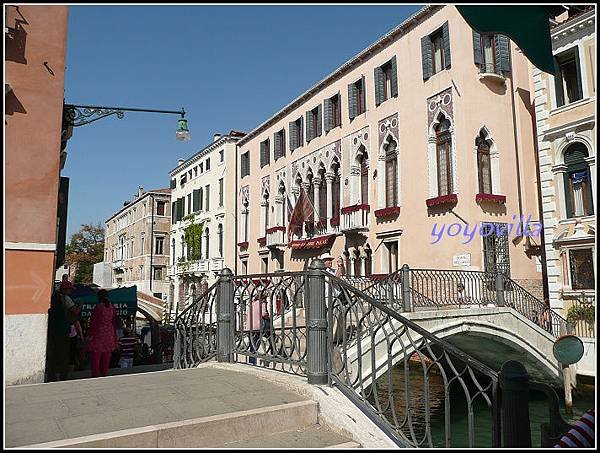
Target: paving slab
[315, 436]
[113, 403]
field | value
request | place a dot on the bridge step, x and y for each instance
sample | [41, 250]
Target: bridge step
[291, 425]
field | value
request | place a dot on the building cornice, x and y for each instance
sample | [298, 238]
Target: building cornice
[137, 200]
[573, 25]
[214, 145]
[577, 125]
[403, 28]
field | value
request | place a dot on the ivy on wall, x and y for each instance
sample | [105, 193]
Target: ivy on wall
[192, 237]
[581, 313]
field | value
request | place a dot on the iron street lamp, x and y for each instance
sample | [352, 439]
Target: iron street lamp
[79, 115]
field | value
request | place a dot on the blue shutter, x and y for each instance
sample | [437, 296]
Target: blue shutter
[319, 120]
[352, 100]
[394, 78]
[502, 52]
[426, 57]
[328, 115]
[477, 50]
[446, 38]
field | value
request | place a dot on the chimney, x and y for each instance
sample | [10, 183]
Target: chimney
[216, 137]
[140, 191]
[180, 161]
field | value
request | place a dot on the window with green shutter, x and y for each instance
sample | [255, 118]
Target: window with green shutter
[279, 144]
[296, 137]
[313, 123]
[245, 164]
[567, 77]
[386, 81]
[265, 153]
[357, 98]
[435, 51]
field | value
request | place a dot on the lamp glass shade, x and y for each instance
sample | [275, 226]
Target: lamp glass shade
[183, 133]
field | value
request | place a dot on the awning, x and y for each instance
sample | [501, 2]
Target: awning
[314, 243]
[124, 299]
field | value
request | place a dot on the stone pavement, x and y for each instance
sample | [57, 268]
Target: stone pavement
[53, 411]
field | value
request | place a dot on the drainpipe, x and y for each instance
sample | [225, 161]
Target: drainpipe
[235, 213]
[151, 244]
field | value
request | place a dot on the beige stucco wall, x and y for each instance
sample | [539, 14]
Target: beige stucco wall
[133, 222]
[476, 104]
[557, 128]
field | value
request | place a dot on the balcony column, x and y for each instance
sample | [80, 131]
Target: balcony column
[263, 216]
[306, 187]
[352, 256]
[381, 181]
[363, 261]
[317, 197]
[329, 177]
[355, 185]
[279, 202]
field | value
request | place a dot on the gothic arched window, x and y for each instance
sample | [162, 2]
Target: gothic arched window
[444, 158]
[391, 175]
[484, 170]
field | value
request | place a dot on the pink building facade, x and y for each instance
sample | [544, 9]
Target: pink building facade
[404, 152]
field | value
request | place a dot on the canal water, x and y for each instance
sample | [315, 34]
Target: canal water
[583, 399]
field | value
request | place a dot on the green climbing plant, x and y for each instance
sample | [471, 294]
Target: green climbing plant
[580, 313]
[192, 235]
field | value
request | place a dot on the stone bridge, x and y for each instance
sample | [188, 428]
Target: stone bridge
[492, 335]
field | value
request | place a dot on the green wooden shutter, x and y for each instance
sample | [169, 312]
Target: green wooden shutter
[173, 183]
[394, 78]
[328, 115]
[502, 52]
[277, 145]
[319, 120]
[446, 38]
[200, 199]
[352, 100]
[207, 188]
[364, 93]
[310, 133]
[558, 85]
[568, 202]
[477, 50]
[293, 136]
[196, 201]
[378, 85]
[301, 134]
[426, 57]
[173, 212]
[180, 207]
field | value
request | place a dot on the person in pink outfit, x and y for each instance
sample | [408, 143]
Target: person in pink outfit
[102, 340]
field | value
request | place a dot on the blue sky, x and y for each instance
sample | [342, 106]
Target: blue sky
[231, 67]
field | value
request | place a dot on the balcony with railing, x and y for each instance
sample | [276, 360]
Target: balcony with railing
[315, 234]
[276, 236]
[491, 71]
[192, 266]
[355, 217]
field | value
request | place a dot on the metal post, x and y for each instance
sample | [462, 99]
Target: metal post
[566, 372]
[499, 289]
[405, 279]
[225, 328]
[514, 383]
[315, 304]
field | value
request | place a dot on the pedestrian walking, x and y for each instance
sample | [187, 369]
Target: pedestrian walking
[62, 314]
[102, 340]
[127, 345]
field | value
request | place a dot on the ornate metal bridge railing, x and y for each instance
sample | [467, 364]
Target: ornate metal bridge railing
[403, 376]
[407, 380]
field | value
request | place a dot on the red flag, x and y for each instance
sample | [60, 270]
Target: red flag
[303, 211]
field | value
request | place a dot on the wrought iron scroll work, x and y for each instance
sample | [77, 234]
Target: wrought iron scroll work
[79, 116]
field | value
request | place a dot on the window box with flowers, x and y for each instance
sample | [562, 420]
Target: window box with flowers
[335, 221]
[490, 198]
[387, 212]
[262, 241]
[243, 245]
[355, 208]
[442, 200]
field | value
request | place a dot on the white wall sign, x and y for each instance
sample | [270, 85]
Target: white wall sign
[461, 260]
